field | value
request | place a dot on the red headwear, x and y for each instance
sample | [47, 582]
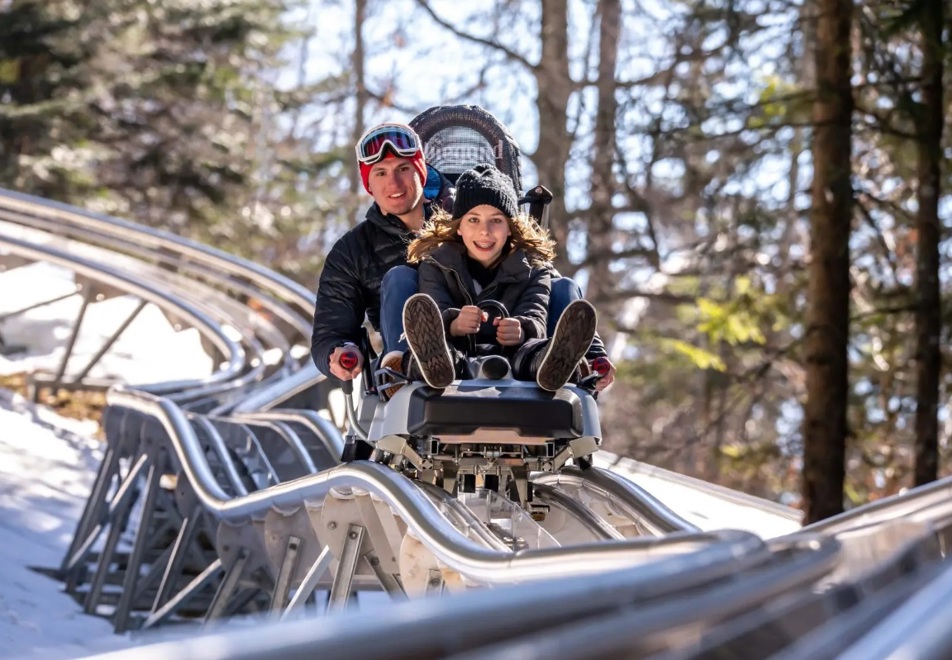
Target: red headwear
[417, 160]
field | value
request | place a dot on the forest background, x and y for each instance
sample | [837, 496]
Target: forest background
[754, 193]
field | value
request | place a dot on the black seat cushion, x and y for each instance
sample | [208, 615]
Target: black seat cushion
[460, 410]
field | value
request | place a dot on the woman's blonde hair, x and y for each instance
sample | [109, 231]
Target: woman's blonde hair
[442, 228]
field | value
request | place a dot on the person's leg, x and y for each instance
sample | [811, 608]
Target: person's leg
[565, 349]
[564, 291]
[399, 283]
[427, 340]
[523, 367]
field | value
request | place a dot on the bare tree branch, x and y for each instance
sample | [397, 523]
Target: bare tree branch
[495, 45]
[598, 256]
[661, 296]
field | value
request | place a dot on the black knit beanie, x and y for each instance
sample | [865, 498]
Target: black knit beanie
[484, 184]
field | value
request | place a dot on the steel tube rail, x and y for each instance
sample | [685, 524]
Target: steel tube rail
[585, 516]
[217, 445]
[919, 628]
[638, 503]
[853, 609]
[888, 508]
[274, 394]
[182, 293]
[417, 511]
[127, 246]
[323, 430]
[466, 518]
[663, 622]
[437, 627]
[228, 347]
[157, 239]
[200, 295]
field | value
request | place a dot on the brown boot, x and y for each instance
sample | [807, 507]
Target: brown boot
[394, 362]
[423, 326]
[572, 337]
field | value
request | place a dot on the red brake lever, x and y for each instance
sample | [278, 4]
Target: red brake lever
[349, 359]
[601, 366]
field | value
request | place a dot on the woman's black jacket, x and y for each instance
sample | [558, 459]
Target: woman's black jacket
[523, 288]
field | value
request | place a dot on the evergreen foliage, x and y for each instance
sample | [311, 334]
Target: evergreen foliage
[680, 140]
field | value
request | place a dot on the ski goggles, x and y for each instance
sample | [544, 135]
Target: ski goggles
[401, 140]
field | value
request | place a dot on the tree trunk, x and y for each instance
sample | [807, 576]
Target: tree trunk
[828, 308]
[555, 87]
[928, 310]
[601, 214]
[360, 100]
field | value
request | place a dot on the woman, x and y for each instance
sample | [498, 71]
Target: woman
[488, 251]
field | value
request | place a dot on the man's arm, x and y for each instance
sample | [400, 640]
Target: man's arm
[597, 349]
[340, 306]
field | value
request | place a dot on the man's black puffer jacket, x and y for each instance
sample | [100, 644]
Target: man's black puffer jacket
[350, 282]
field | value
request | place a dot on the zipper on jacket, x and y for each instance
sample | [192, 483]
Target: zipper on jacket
[462, 287]
[459, 280]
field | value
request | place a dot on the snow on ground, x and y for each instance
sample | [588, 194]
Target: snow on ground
[140, 355]
[48, 465]
[48, 462]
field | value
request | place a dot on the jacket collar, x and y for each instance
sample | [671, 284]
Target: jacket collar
[515, 266]
[391, 224]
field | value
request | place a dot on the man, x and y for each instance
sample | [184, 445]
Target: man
[366, 271]
[393, 171]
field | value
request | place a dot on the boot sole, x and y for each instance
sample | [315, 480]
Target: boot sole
[423, 326]
[572, 337]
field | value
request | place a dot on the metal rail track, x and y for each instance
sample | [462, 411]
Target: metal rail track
[218, 497]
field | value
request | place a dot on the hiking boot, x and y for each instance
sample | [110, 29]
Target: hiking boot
[423, 326]
[572, 337]
[394, 362]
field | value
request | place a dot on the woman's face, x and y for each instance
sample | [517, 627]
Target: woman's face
[484, 230]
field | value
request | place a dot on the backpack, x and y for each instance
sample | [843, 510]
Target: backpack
[456, 138]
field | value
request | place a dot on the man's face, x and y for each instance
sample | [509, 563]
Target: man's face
[395, 185]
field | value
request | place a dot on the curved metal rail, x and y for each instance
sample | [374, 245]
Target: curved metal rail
[423, 520]
[65, 219]
[233, 506]
[215, 278]
[98, 271]
[635, 503]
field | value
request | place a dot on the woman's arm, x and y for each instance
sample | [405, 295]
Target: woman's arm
[532, 310]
